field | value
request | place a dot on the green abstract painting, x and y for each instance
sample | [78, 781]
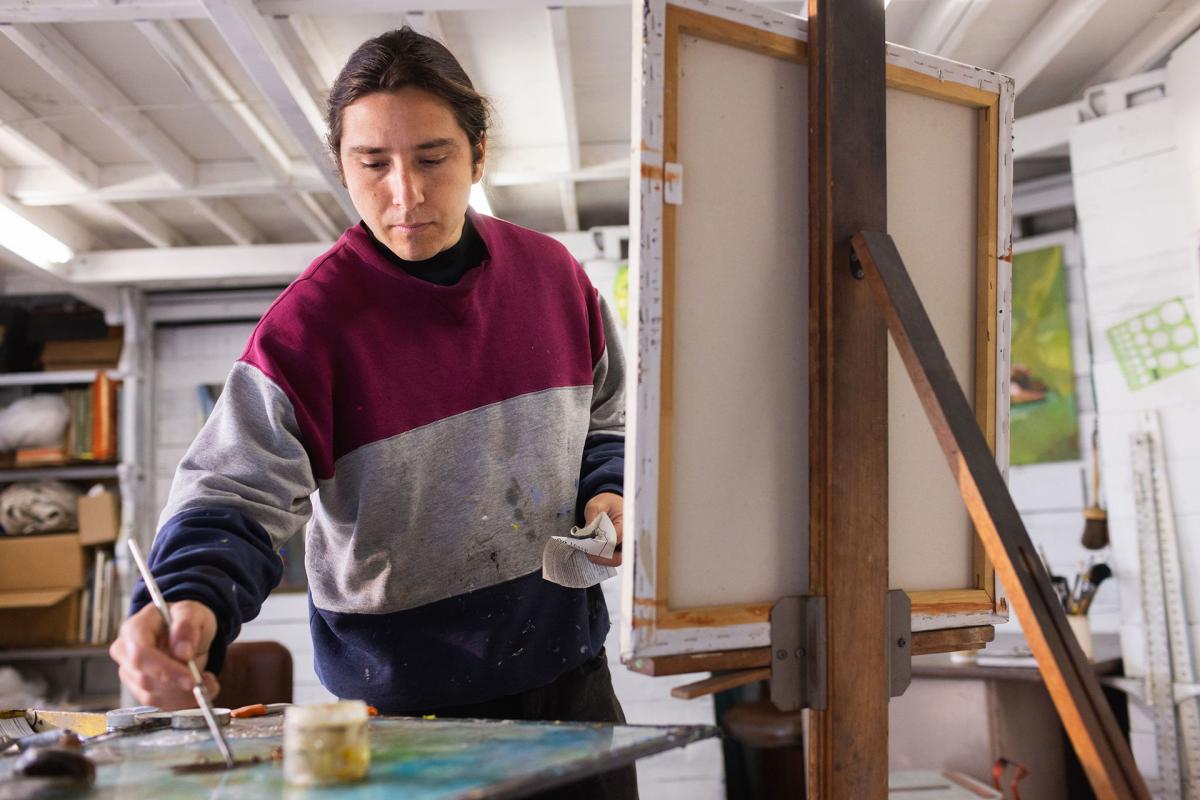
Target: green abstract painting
[1045, 423]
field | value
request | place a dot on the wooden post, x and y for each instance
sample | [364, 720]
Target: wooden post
[848, 418]
[1073, 687]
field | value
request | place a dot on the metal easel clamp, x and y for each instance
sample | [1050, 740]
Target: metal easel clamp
[798, 658]
[899, 644]
[798, 650]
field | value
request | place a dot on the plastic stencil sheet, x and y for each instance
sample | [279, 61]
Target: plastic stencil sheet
[1156, 344]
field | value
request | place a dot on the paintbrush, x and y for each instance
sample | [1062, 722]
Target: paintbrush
[198, 690]
[1058, 582]
[1095, 518]
[1097, 575]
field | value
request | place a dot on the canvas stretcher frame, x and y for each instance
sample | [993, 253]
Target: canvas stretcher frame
[652, 626]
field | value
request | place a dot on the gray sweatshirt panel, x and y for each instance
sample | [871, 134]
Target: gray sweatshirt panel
[608, 380]
[248, 456]
[460, 504]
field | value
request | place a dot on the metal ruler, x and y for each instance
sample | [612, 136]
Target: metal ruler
[1171, 674]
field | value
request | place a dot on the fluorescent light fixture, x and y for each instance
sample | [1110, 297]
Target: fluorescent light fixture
[479, 200]
[29, 241]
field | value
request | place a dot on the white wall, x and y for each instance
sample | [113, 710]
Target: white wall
[1135, 199]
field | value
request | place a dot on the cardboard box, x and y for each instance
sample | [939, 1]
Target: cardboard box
[39, 618]
[99, 518]
[41, 561]
[40, 579]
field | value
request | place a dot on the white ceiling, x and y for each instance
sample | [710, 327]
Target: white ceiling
[180, 123]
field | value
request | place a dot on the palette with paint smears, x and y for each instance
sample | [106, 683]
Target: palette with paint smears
[411, 759]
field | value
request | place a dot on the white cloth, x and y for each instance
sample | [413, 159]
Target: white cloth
[565, 559]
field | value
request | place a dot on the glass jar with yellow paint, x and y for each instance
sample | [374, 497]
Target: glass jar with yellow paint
[325, 743]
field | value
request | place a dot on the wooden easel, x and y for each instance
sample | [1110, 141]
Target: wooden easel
[848, 749]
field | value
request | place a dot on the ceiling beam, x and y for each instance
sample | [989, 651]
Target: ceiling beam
[47, 47]
[1046, 134]
[560, 43]
[310, 34]
[941, 28]
[610, 171]
[231, 222]
[1046, 39]
[55, 223]
[305, 47]
[69, 233]
[1049, 193]
[119, 183]
[256, 44]
[262, 264]
[125, 183]
[143, 223]
[171, 40]
[196, 266]
[319, 7]
[50, 50]
[1162, 34]
[306, 206]
[67, 11]
[21, 124]
[179, 48]
[81, 174]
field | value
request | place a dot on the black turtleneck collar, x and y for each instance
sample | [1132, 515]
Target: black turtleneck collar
[447, 267]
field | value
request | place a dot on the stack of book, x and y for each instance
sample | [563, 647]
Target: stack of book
[98, 613]
[82, 354]
[91, 433]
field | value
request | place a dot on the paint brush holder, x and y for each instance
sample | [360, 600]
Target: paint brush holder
[1082, 628]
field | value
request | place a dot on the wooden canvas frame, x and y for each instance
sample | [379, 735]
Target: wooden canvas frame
[681, 21]
[991, 96]
[649, 626]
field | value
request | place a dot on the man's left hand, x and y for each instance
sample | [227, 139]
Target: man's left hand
[614, 506]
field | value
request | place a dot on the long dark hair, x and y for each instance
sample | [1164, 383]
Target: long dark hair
[403, 58]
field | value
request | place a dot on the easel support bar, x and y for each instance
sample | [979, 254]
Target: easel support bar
[1073, 686]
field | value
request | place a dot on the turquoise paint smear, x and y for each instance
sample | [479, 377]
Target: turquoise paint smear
[411, 759]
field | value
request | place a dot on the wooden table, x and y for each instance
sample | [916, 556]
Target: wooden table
[411, 759]
[962, 715]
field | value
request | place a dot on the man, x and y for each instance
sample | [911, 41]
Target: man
[453, 387]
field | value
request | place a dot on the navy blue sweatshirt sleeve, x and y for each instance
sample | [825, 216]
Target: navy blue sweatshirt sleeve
[218, 557]
[241, 491]
[603, 469]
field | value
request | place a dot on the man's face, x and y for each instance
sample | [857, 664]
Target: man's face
[407, 165]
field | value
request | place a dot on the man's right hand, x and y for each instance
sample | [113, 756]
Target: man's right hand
[153, 661]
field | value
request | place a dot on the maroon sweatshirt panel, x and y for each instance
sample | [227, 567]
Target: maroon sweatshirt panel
[366, 351]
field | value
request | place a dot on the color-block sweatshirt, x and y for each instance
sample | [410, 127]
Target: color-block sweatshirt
[431, 438]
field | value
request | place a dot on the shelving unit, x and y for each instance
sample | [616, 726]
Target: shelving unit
[43, 653]
[64, 378]
[83, 674]
[70, 472]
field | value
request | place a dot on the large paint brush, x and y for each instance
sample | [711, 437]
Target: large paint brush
[1095, 525]
[198, 690]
